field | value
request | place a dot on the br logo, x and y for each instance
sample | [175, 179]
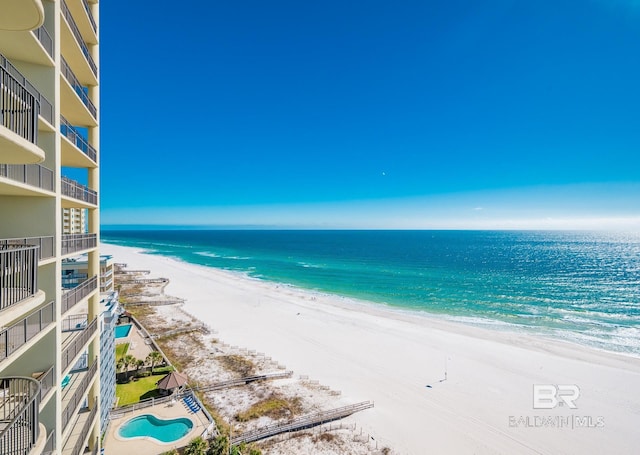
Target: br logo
[548, 396]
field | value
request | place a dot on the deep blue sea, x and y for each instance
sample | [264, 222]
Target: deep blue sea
[582, 287]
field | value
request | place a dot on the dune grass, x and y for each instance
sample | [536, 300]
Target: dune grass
[275, 407]
[238, 364]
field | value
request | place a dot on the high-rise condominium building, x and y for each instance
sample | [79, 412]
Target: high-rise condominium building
[74, 220]
[49, 335]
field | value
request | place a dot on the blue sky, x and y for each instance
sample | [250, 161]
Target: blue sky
[409, 114]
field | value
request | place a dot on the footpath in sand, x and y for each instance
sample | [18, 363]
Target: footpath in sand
[399, 360]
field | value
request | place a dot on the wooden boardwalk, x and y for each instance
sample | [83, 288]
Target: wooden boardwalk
[242, 381]
[156, 302]
[308, 421]
[133, 272]
[144, 281]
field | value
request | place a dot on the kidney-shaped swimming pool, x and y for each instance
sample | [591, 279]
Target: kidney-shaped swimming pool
[149, 426]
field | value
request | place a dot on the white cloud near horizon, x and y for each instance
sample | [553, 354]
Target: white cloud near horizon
[581, 206]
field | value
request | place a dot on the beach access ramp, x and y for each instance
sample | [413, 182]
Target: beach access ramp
[308, 421]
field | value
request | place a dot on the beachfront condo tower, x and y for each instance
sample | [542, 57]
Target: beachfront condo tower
[49, 162]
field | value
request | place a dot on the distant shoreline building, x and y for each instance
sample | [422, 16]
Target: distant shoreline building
[74, 220]
[75, 271]
[50, 337]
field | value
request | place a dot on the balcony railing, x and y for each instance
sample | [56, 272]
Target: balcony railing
[96, 446]
[50, 444]
[30, 174]
[78, 395]
[19, 426]
[46, 245]
[72, 280]
[79, 446]
[76, 138]
[78, 88]
[78, 344]
[75, 190]
[72, 243]
[46, 108]
[45, 39]
[90, 14]
[81, 364]
[78, 36]
[18, 273]
[19, 108]
[74, 323]
[47, 382]
[75, 295]
[17, 335]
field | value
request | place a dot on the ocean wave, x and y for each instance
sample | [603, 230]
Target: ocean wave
[307, 265]
[207, 254]
[623, 339]
[172, 245]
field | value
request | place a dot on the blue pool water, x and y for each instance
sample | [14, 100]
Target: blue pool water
[162, 430]
[122, 331]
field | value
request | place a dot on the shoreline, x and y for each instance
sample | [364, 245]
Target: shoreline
[479, 377]
[447, 321]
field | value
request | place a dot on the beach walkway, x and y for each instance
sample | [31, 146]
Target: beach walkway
[308, 421]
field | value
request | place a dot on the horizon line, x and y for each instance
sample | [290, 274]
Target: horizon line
[265, 227]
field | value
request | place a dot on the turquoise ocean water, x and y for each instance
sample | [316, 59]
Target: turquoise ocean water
[583, 287]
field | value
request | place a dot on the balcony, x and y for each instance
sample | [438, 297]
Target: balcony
[75, 49]
[23, 331]
[76, 105]
[18, 274]
[75, 390]
[77, 294]
[73, 243]
[34, 46]
[71, 280]
[106, 281]
[32, 179]
[50, 444]
[20, 15]
[46, 245]
[78, 438]
[19, 413]
[76, 150]
[75, 342]
[47, 382]
[46, 108]
[74, 323]
[19, 110]
[85, 21]
[79, 193]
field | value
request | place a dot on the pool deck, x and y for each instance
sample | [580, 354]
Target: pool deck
[137, 346]
[115, 445]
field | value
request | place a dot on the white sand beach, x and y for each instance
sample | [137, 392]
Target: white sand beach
[485, 404]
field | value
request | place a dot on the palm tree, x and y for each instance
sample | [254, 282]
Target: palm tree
[219, 445]
[197, 446]
[128, 360]
[154, 358]
[139, 364]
